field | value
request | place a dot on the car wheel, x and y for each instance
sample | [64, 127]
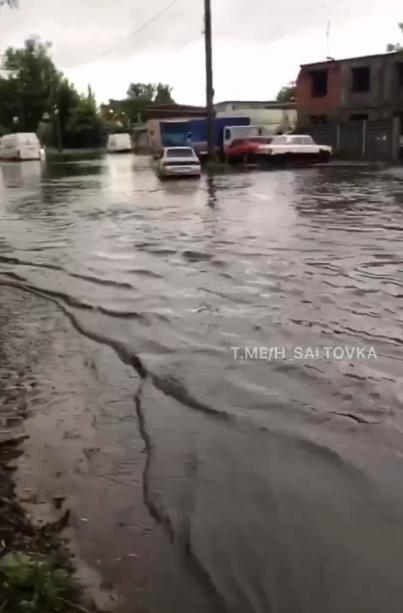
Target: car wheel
[324, 157]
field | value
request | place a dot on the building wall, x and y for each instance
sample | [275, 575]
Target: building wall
[383, 100]
[141, 139]
[154, 133]
[241, 105]
[376, 97]
[271, 120]
[328, 105]
[393, 84]
[372, 140]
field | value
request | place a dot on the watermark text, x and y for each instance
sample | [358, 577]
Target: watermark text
[277, 353]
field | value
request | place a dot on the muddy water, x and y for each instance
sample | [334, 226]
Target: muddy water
[271, 473]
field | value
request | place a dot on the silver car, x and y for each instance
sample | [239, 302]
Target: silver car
[178, 162]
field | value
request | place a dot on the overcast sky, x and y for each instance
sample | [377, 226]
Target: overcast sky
[258, 44]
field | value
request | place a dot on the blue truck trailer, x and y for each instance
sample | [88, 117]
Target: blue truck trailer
[174, 133]
[193, 132]
[198, 130]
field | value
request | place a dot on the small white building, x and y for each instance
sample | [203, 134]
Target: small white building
[273, 117]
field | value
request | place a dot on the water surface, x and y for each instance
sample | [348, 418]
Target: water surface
[280, 479]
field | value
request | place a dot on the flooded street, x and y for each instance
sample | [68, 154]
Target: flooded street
[232, 351]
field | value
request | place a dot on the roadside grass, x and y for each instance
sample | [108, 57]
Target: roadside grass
[33, 584]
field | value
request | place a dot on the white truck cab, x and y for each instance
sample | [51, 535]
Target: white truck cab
[234, 132]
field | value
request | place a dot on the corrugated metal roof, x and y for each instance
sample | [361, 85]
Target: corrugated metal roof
[246, 102]
[271, 104]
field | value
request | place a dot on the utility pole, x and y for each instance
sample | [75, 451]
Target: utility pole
[56, 119]
[209, 80]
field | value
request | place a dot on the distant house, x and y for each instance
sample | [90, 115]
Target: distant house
[368, 87]
[175, 111]
[241, 105]
[274, 117]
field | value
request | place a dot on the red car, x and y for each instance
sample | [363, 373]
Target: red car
[247, 149]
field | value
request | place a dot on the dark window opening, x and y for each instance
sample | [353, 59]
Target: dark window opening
[318, 119]
[319, 83]
[358, 117]
[360, 80]
[399, 68]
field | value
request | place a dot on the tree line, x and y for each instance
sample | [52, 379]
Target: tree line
[37, 97]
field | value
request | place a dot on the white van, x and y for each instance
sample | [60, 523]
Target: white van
[20, 146]
[119, 143]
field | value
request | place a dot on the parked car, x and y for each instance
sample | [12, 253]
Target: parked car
[178, 162]
[119, 143]
[20, 146]
[297, 148]
[247, 149]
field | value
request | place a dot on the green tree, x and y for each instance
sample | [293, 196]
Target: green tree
[10, 104]
[85, 122]
[34, 96]
[396, 46]
[33, 80]
[141, 91]
[163, 94]
[288, 93]
[66, 101]
[143, 95]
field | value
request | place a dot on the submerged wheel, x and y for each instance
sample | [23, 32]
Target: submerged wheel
[324, 157]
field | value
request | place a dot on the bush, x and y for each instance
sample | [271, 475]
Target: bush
[32, 585]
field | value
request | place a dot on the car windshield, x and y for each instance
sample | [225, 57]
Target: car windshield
[238, 141]
[180, 152]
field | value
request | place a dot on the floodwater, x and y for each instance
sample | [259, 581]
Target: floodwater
[258, 318]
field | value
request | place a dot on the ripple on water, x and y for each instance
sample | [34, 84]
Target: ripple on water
[273, 472]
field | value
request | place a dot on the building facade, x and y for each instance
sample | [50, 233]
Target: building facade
[369, 87]
[272, 117]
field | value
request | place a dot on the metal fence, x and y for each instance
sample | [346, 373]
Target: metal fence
[376, 140]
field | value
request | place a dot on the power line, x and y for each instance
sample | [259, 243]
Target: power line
[167, 7]
[127, 38]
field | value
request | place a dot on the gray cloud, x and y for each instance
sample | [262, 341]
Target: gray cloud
[83, 29]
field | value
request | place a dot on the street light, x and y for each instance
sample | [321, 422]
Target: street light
[56, 115]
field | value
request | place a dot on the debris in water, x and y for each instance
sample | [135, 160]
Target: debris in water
[58, 525]
[58, 501]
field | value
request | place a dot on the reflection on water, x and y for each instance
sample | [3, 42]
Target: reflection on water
[21, 175]
[282, 477]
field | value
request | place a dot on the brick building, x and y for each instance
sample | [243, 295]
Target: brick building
[369, 87]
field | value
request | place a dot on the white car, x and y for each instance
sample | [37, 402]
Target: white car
[178, 162]
[298, 148]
